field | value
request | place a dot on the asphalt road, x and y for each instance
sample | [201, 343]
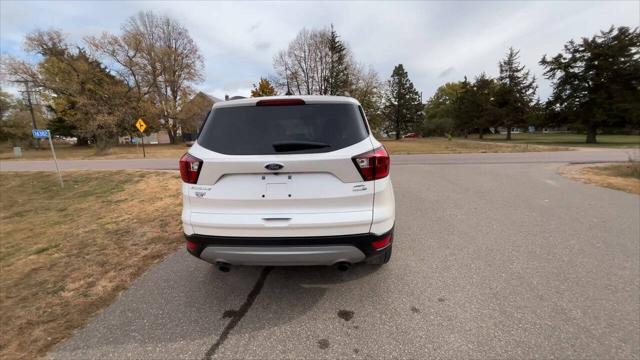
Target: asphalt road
[490, 261]
[588, 155]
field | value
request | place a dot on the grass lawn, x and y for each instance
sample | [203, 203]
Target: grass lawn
[437, 145]
[491, 144]
[625, 176]
[569, 140]
[65, 151]
[406, 146]
[67, 253]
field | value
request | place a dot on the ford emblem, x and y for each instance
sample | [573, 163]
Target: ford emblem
[274, 166]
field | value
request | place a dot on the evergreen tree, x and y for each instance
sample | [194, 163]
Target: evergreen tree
[471, 106]
[264, 88]
[483, 103]
[93, 103]
[463, 109]
[61, 126]
[537, 115]
[338, 78]
[596, 82]
[440, 110]
[517, 92]
[402, 108]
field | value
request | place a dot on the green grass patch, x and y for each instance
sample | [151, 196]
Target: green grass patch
[568, 139]
[73, 152]
[438, 145]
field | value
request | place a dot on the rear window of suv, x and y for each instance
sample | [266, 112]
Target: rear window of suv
[289, 129]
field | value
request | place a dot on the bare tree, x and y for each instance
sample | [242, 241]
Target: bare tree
[304, 66]
[316, 62]
[158, 60]
[366, 87]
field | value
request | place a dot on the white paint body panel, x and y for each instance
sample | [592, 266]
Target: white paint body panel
[318, 194]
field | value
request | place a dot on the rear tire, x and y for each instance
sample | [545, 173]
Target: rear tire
[383, 258]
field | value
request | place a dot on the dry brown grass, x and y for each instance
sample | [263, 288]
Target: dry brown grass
[70, 152]
[67, 253]
[405, 146]
[458, 146]
[625, 177]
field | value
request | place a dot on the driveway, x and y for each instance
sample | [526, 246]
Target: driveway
[491, 260]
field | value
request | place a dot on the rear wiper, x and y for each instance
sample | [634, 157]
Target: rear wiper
[281, 146]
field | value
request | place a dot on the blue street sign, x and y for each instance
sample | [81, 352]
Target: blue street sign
[40, 133]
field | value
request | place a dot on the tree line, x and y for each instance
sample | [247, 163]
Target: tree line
[595, 87]
[96, 90]
[319, 62]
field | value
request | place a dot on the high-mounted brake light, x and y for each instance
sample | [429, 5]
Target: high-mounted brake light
[373, 165]
[190, 167]
[280, 102]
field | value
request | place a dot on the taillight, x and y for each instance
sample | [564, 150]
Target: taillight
[383, 242]
[190, 167]
[191, 246]
[194, 248]
[373, 165]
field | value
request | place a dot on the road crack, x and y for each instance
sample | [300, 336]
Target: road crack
[238, 315]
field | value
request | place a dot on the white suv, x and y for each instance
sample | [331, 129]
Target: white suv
[287, 181]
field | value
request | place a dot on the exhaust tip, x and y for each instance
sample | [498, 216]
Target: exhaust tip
[224, 267]
[344, 266]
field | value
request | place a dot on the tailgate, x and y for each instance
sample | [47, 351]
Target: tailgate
[312, 195]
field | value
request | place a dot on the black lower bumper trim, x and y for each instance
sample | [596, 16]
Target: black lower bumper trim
[361, 241]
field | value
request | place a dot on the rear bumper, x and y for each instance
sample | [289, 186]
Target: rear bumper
[282, 255]
[285, 251]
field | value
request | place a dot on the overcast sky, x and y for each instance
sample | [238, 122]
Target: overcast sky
[436, 41]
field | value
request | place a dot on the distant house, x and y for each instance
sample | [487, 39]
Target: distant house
[193, 113]
[514, 130]
[556, 130]
[191, 117]
[159, 137]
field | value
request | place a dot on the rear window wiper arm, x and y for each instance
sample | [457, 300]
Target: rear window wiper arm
[281, 146]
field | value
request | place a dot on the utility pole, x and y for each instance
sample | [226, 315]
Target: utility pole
[28, 91]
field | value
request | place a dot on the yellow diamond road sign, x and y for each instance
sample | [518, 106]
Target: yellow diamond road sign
[141, 125]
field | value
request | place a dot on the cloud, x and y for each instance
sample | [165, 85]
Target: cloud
[446, 72]
[261, 45]
[436, 41]
[255, 26]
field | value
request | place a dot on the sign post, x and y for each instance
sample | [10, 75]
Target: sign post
[141, 126]
[44, 134]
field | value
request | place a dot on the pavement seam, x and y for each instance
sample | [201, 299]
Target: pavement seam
[251, 298]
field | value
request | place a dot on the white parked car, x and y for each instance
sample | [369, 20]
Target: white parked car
[287, 181]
